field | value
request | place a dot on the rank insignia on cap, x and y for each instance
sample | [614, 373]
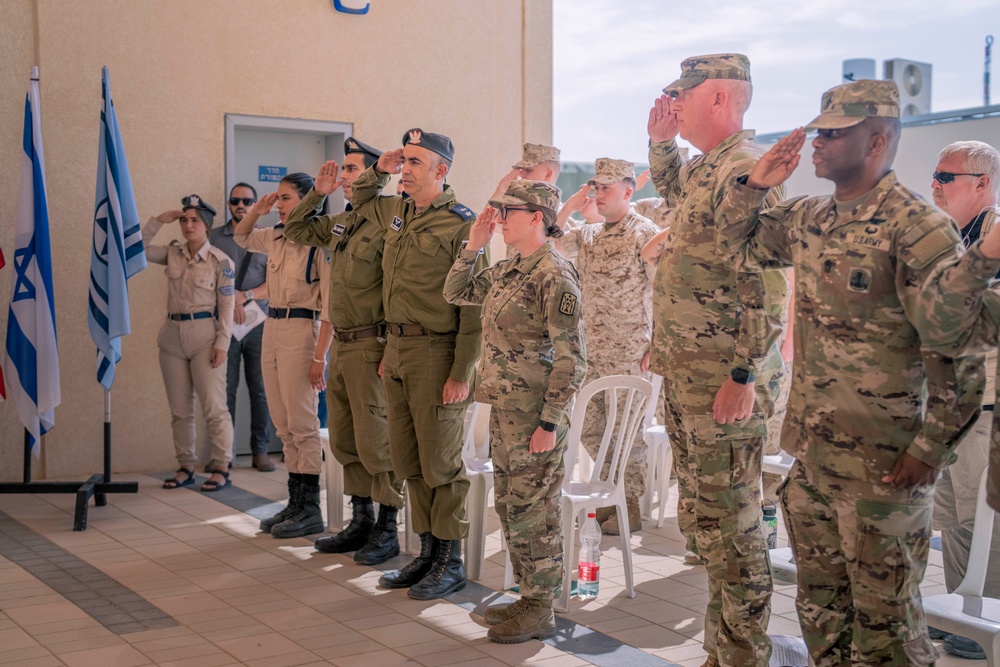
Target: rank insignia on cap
[397, 223]
[353, 145]
[415, 137]
[339, 229]
[567, 304]
[194, 200]
[229, 273]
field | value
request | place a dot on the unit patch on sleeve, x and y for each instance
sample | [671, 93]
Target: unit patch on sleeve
[567, 304]
[397, 223]
[339, 229]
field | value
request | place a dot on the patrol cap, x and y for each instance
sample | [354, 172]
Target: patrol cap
[536, 193]
[608, 171]
[352, 145]
[849, 104]
[697, 70]
[204, 209]
[535, 154]
[436, 143]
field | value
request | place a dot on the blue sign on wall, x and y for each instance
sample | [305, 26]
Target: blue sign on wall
[273, 174]
[341, 7]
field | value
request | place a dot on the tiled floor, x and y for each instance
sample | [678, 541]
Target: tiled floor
[215, 592]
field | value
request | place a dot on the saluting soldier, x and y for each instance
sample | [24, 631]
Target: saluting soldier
[194, 340]
[296, 276]
[431, 353]
[354, 393]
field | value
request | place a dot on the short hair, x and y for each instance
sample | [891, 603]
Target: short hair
[369, 159]
[891, 128]
[629, 181]
[980, 158]
[443, 160]
[241, 184]
[740, 93]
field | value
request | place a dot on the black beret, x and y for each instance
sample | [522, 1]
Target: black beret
[352, 145]
[196, 202]
[436, 143]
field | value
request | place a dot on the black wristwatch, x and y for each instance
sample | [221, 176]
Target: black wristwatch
[547, 426]
[742, 376]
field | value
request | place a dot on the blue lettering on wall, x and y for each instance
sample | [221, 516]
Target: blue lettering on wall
[273, 174]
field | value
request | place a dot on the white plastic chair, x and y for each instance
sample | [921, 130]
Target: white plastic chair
[966, 612]
[777, 464]
[479, 468]
[782, 562]
[659, 455]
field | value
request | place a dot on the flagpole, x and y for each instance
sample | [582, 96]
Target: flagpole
[107, 435]
[27, 456]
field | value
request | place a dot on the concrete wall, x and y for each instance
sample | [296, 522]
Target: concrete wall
[479, 71]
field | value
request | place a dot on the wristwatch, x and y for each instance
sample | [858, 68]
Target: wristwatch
[249, 294]
[742, 376]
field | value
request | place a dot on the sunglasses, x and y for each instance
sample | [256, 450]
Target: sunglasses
[247, 201]
[506, 209]
[945, 177]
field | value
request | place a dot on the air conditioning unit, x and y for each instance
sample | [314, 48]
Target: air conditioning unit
[914, 81]
[856, 69]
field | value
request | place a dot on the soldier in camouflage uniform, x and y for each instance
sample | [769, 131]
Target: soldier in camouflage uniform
[715, 344]
[617, 296]
[430, 356]
[873, 415]
[538, 163]
[533, 364]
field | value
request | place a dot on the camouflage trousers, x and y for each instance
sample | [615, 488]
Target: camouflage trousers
[861, 550]
[772, 446]
[993, 486]
[718, 478]
[594, 423]
[527, 488]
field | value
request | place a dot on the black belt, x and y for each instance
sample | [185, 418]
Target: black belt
[184, 317]
[403, 330]
[988, 408]
[358, 334]
[292, 313]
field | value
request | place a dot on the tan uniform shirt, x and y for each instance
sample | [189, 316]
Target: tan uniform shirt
[297, 275]
[203, 283]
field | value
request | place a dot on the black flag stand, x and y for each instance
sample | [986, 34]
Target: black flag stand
[97, 486]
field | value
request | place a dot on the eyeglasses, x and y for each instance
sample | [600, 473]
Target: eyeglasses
[506, 209]
[945, 177]
[247, 201]
[832, 134]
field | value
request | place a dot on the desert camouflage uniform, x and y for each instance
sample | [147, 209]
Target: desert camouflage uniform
[617, 300]
[533, 363]
[654, 209]
[865, 392]
[709, 319]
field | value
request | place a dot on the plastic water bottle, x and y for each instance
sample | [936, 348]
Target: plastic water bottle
[589, 578]
[770, 525]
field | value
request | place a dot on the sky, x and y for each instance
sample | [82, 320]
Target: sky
[613, 57]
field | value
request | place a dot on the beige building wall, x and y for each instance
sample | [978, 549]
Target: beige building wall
[479, 71]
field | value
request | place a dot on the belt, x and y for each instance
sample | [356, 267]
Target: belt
[184, 317]
[348, 336]
[988, 408]
[292, 313]
[404, 330]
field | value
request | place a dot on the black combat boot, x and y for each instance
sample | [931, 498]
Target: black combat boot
[308, 519]
[294, 484]
[416, 569]
[446, 576]
[383, 543]
[355, 534]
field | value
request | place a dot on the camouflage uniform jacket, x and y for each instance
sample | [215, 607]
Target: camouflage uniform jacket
[616, 288]
[655, 209]
[710, 316]
[534, 357]
[355, 245]
[420, 248]
[864, 388]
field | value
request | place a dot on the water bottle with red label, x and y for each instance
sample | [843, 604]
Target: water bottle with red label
[589, 577]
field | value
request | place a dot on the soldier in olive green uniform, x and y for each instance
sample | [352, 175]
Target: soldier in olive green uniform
[194, 340]
[715, 344]
[533, 364]
[431, 352]
[355, 393]
[873, 414]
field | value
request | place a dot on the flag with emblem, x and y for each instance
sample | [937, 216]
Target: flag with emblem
[31, 354]
[117, 253]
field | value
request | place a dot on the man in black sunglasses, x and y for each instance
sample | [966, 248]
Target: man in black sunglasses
[251, 285]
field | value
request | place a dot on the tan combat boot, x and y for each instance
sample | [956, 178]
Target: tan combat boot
[500, 613]
[610, 527]
[534, 620]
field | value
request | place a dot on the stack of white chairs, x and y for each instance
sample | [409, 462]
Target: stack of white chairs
[479, 468]
[660, 457]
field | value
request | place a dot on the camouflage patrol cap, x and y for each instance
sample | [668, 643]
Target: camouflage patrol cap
[436, 143]
[609, 171]
[697, 70]
[352, 145]
[536, 193]
[534, 154]
[849, 104]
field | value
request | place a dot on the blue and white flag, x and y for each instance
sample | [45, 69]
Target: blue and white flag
[31, 359]
[117, 253]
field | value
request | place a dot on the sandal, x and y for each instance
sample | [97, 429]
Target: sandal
[211, 486]
[174, 482]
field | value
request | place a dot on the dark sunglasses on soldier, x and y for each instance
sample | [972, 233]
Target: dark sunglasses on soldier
[945, 177]
[247, 201]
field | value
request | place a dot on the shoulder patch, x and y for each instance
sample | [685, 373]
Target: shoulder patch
[226, 290]
[397, 223]
[567, 303]
[228, 272]
[463, 211]
[339, 229]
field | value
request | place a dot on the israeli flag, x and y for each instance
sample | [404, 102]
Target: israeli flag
[31, 358]
[117, 253]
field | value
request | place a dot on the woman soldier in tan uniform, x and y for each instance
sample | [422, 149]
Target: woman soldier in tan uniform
[194, 340]
[295, 275]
